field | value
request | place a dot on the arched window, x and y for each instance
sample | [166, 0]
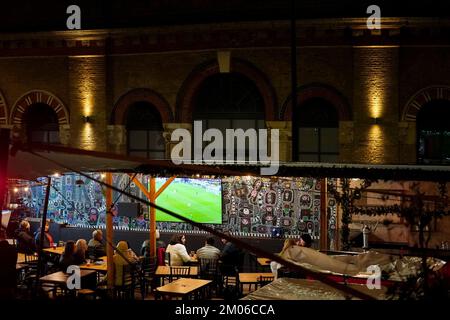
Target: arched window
[316, 131]
[145, 131]
[433, 133]
[229, 101]
[41, 124]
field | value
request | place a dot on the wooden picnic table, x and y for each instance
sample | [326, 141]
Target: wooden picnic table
[183, 287]
[264, 261]
[99, 266]
[20, 267]
[57, 250]
[252, 278]
[59, 280]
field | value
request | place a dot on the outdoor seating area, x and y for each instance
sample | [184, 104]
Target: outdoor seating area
[200, 150]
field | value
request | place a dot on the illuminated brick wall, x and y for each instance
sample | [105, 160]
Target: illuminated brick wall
[87, 90]
[375, 96]
[377, 81]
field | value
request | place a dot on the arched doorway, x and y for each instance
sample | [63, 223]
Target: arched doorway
[41, 124]
[144, 131]
[316, 131]
[186, 99]
[433, 132]
[229, 101]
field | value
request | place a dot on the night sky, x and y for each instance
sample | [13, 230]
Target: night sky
[32, 15]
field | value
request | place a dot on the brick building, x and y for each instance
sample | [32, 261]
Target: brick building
[375, 88]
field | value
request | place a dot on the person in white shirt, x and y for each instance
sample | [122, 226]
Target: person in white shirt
[177, 250]
[208, 251]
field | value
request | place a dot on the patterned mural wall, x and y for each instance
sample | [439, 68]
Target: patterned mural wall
[250, 205]
[257, 205]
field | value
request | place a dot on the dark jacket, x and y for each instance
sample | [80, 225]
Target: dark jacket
[46, 244]
[25, 241]
[232, 256]
[65, 261]
[145, 249]
[79, 258]
[96, 249]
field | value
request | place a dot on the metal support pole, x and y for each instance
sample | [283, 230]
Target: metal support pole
[293, 74]
[152, 217]
[43, 223]
[109, 234]
[323, 215]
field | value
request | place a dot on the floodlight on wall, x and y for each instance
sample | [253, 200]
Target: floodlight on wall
[376, 120]
[87, 119]
[223, 59]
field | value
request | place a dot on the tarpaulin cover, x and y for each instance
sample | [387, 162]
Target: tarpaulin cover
[302, 289]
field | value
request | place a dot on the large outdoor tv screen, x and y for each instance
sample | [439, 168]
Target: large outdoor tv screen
[197, 199]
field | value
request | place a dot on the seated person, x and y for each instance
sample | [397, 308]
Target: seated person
[305, 240]
[68, 257]
[145, 249]
[208, 251]
[122, 257]
[96, 248]
[231, 256]
[25, 239]
[177, 251]
[81, 248]
[130, 253]
[48, 239]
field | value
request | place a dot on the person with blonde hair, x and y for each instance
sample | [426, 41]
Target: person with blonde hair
[80, 251]
[122, 257]
[25, 239]
[274, 266]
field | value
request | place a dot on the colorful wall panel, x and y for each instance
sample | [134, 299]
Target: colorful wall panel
[250, 204]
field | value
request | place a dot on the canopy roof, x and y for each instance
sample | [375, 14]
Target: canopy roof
[31, 162]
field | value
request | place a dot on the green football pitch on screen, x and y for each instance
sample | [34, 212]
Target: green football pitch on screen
[197, 199]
